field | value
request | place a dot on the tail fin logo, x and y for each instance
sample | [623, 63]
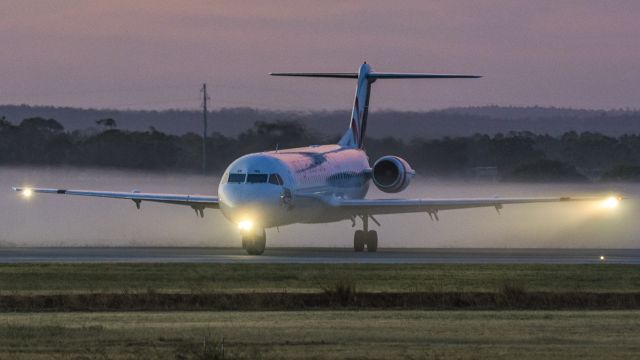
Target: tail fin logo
[354, 123]
[355, 137]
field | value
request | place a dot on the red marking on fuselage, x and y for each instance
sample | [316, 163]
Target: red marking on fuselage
[355, 122]
[354, 129]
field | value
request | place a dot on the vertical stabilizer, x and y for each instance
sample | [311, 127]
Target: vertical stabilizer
[358, 124]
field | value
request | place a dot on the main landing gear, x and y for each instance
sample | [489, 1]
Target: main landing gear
[365, 237]
[254, 242]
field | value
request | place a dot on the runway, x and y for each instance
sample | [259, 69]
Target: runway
[318, 256]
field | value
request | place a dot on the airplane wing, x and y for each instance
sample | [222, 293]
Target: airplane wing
[432, 206]
[197, 202]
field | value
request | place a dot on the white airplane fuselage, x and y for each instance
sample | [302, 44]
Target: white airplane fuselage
[250, 190]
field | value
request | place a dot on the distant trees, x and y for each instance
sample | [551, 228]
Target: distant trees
[518, 156]
[108, 123]
[623, 173]
[543, 171]
[40, 124]
[33, 141]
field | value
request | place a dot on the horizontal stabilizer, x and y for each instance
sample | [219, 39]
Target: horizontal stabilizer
[376, 75]
[354, 136]
[320, 75]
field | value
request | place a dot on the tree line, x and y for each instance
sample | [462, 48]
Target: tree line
[521, 156]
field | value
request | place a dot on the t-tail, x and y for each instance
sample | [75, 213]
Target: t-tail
[354, 137]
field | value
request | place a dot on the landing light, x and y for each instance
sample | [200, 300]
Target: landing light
[27, 193]
[610, 202]
[245, 225]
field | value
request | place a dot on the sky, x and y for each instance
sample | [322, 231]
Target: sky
[153, 54]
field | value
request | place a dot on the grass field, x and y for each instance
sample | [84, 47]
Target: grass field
[323, 335]
[349, 331]
[83, 278]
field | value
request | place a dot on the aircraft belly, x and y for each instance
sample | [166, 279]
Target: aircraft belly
[311, 216]
[310, 211]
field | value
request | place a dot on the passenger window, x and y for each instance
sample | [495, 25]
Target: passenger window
[236, 178]
[257, 178]
[275, 179]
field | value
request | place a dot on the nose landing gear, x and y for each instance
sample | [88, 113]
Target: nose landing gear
[365, 237]
[254, 242]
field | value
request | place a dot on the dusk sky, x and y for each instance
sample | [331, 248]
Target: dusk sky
[149, 54]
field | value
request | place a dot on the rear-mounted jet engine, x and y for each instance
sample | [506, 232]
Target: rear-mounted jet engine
[392, 174]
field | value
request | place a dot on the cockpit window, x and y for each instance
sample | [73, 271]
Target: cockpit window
[237, 178]
[275, 179]
[257, 178]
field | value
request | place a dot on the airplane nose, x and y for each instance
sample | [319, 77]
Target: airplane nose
[249, 195]
[257, 202]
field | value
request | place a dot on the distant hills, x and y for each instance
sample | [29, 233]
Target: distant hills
[402, 124]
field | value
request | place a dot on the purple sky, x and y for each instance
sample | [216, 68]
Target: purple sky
[154, 54]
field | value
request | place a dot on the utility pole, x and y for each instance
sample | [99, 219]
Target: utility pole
[205, 99]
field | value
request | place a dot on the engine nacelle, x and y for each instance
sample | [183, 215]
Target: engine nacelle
[392, 174]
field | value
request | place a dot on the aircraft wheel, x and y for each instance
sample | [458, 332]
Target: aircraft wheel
[255, 244]
[359, 240]
[372, 241]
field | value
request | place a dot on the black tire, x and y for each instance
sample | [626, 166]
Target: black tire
[253, 251]
[372, 241]
[358, 241]
[260, 243]
[256, 244]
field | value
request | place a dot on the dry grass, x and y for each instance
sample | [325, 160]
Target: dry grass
[342, 295]
[123, 287]
[192, 278]
[323, 335]
[383, 333]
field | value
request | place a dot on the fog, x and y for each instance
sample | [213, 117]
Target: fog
[50, 220]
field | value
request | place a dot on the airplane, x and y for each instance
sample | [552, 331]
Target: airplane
[318, 183]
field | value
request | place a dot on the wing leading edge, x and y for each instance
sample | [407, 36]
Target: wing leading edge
[400, 206]
[197, 202]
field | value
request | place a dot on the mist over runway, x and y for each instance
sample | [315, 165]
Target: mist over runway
[319, 256]
[54, 221]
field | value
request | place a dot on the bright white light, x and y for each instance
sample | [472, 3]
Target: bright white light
[601, 257]
[27, 193]
[610, 203]
[245, 225]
